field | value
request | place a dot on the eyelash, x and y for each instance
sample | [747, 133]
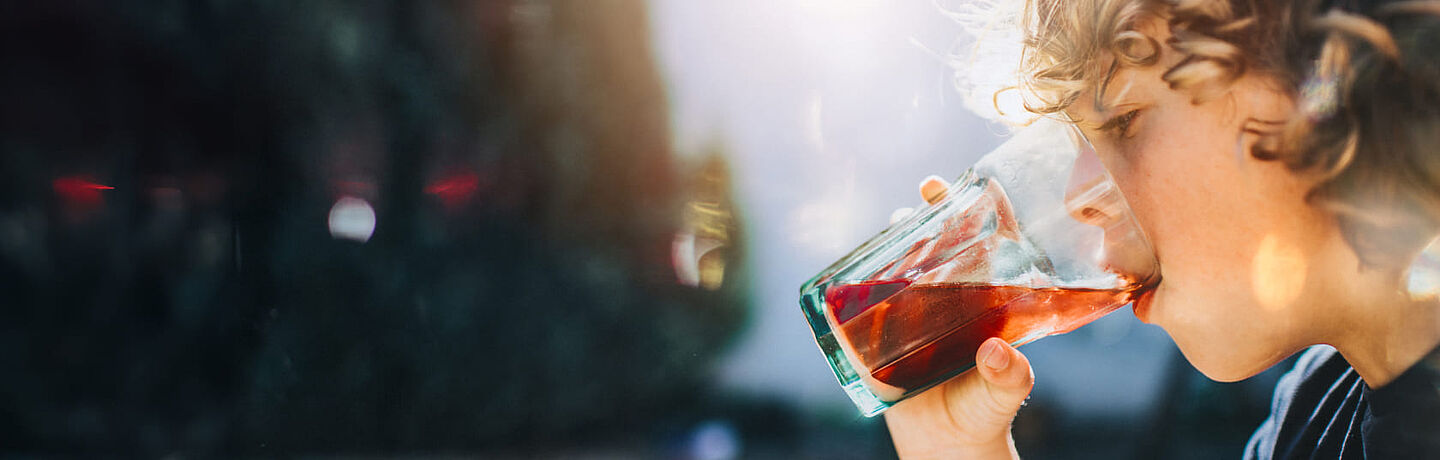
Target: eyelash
[1121, 124]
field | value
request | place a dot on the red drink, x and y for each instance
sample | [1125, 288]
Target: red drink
[909, 335]
[1035, 240]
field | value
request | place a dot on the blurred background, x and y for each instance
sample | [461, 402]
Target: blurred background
[493, 228]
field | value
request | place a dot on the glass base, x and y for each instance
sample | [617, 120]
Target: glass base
[866, 401]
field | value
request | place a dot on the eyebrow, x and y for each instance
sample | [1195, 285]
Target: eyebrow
[1105, 86]
[1099, 101]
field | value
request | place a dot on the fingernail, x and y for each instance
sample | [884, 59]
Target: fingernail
[932, 187]
[993, 355]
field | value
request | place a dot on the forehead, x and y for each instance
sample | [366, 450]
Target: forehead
[1114, 81]
[1123, 85]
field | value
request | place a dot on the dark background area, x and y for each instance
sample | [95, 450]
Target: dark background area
[169, 284]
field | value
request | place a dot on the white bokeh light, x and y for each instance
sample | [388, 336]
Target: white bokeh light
[352, 219]
[1424, 274]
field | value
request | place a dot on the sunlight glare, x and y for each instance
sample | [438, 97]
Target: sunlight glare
[1424, 274]
[1278, 273]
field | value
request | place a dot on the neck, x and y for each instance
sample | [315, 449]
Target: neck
[1385, 334]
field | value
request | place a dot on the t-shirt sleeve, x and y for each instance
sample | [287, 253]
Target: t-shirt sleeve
[1262, 444]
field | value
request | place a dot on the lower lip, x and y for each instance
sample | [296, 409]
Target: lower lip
[1141, 306]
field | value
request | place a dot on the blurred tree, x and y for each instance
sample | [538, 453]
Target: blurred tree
[517, 293]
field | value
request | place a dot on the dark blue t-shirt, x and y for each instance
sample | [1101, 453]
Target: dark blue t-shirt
[1322, 409]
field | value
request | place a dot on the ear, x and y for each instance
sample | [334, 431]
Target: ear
[1264, 99]
[1262, 107]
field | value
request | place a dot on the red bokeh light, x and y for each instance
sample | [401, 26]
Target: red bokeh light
[78, 190]
[456, 189]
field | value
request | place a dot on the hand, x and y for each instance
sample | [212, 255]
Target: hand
[968, 416]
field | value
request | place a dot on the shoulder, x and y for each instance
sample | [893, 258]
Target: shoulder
[1318, 372]
[1323, 409]
[1320, 378]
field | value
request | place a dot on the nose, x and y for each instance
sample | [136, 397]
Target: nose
[1090, 195]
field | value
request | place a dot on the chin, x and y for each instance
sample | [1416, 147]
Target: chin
[1226, 375]
[1218, 368]
[1227, 366]
[1222, 355]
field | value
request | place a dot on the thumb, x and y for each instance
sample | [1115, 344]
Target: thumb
[1005, 380]
[1005, 369]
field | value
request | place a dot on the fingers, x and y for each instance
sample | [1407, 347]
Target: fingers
[968, 416]
[900, 213]
[933, 189]
[998, 387]
[1007, 379]
[1006, 371]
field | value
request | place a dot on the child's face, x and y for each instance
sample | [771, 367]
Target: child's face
[1239, 248]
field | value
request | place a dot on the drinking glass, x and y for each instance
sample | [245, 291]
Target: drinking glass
[1034, 240]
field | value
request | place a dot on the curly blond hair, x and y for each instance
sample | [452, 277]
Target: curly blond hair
[1366, 81]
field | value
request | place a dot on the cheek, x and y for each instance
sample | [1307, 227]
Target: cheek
[1197, 237]
[1190, 194]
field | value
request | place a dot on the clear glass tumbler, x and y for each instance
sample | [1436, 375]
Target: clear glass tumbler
[1034, 240]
